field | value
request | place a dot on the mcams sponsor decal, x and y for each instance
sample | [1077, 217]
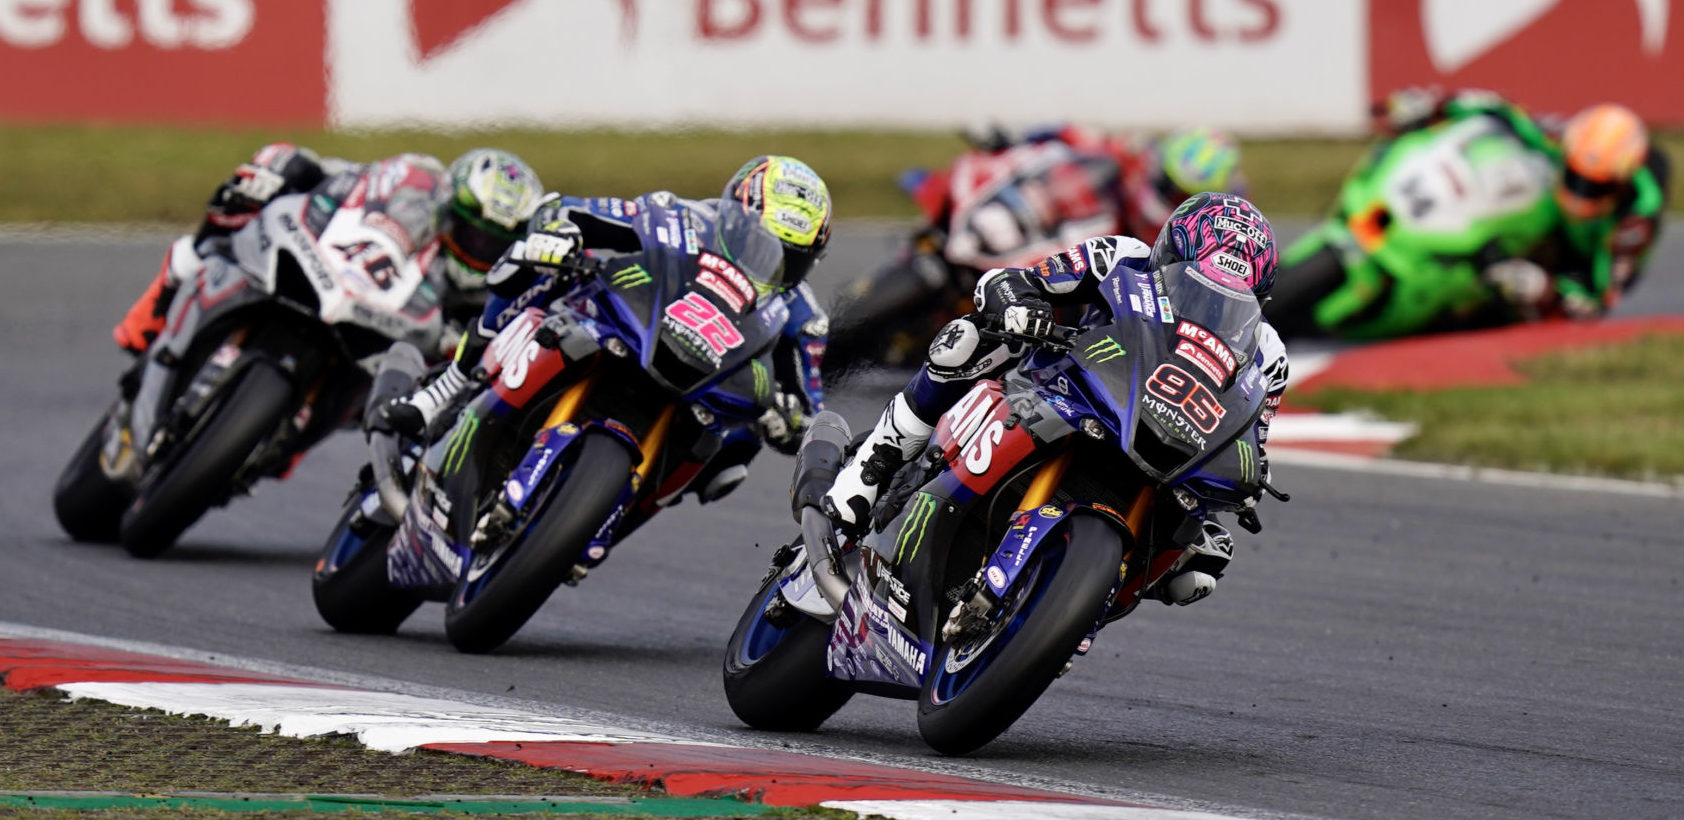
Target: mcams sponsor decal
[977, 424]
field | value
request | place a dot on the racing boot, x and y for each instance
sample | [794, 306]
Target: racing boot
[1193, 577]
[146, 318]
[413, 415]
[898, 436]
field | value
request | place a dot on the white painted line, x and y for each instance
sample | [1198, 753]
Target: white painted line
[1480, 475]
[379, 720]
[1011, 810]
[1290, 427]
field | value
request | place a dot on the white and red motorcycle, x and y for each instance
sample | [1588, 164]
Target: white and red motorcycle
[267, 351]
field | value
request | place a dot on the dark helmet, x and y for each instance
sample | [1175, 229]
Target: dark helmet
[1222, 231]
[793, 203]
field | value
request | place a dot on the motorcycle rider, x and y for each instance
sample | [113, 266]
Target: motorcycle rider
[1155, 173]
[1611, 190]
[1204, 228]
[472, 211]
[793, 204]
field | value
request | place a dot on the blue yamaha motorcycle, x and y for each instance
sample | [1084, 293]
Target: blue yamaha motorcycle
[608, 407]
[1051, 503]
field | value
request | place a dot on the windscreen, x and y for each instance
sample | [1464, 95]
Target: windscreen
[744, 242]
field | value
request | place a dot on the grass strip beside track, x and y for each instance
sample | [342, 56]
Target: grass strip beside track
[179, 768]
[1611, 411]
[137, 174]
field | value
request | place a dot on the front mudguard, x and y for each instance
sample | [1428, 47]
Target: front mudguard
[1029, 530]
[553, 446]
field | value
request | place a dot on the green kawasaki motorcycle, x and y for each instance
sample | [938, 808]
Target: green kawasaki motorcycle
[1415, 223]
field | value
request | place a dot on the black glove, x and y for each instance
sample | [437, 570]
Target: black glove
[783, 424]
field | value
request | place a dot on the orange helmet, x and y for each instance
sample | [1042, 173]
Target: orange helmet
[1603, 146]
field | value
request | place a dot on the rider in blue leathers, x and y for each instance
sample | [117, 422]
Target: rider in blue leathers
[794, 204]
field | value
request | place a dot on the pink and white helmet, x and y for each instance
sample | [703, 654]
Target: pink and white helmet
[1222, 231]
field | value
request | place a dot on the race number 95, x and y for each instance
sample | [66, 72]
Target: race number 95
[1196, 402]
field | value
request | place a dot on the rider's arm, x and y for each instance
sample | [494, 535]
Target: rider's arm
[1066, 278]
[1271, 354]
[276, 169]
[800, 351]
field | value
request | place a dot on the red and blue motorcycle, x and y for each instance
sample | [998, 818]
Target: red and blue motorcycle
[1051, 503]
[609, 406]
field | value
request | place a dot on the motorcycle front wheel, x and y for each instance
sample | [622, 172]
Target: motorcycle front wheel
[350, 586]
[775, 676]
[497, 597]
[979, 686]
[88, 504]
[178, 492]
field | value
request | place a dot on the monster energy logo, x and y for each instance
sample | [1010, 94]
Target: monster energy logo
[762, 382]
[1248, 463]
[913, 528]
[1104, 350]
[456, 454]
[630, 277]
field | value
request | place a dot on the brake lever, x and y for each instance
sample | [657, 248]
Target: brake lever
[1270, 488]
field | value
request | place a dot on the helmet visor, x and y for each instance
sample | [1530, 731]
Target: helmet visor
[475, 242]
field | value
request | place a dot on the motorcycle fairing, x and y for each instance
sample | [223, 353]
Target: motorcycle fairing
[870, 644]
[359, 274]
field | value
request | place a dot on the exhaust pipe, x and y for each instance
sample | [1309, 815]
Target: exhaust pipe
[400, 369]
[820, 458]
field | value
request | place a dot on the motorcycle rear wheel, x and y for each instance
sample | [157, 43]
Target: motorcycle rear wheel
[775, 677]
[173, 498]
[350, 586]
[88, 504]
[545, 555]
[1056, 601]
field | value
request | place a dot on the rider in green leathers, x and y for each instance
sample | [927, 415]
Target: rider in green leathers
[1611, 190]
[1473, 213]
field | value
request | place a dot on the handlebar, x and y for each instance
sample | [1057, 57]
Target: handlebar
[1061, 338]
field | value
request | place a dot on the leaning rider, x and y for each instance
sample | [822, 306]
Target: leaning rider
[1611, 190]
[470, 213]
[1022, 301]
[793, 204]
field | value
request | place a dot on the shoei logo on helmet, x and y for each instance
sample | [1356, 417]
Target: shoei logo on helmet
[1231, 264]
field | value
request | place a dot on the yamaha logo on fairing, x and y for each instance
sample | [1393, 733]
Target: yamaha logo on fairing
[907, 652]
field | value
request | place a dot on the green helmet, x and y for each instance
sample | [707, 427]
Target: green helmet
[1197, 159]
[493, 194]
[793, 204]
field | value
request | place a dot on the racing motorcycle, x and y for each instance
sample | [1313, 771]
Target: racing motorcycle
[1413, 226]
[990, 209]
[612, 404]
[264, 354]
[1051, 503]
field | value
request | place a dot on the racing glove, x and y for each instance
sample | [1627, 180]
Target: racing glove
[555, 245]
[1522, 283]
[783, 424]
[1032, 317]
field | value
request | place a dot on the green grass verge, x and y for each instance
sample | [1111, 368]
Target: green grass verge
[1615, 411]
[89, 746]
[101, 174]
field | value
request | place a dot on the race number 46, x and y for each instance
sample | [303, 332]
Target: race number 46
[694, 311]
[1176, 386]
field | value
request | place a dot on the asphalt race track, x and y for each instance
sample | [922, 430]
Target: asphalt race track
[1388, 647]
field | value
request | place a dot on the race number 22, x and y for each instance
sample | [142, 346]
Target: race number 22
[694, 311]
